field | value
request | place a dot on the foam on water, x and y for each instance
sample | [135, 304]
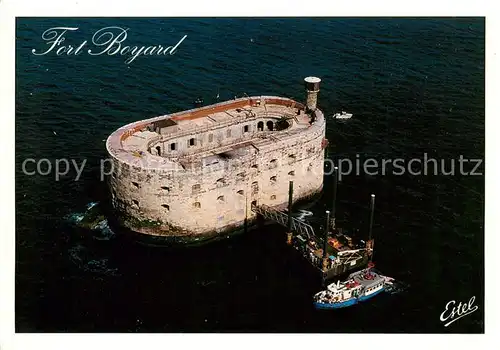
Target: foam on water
[91, 205]
[303, 214]
[86, 261]
[101, 230]
[75, 217]
[106, 232]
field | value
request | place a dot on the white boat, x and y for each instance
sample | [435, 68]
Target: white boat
[358, 287]
[342, 115]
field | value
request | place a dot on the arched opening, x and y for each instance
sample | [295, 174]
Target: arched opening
[220, 199]
[273, 163]
[166, 206]
[270, 125]
[254, 166]
[165, 188]
[291, 173]
[273, 179]
[196, 188]
[254, 203]
[220, 182]
[191, 142]
[282, 124]
[273, 197]
[210, 137]
[260, 126]
[255, 187]
[246, 128]
[197, 204]
[173, 146]
[158, 150]
[135, 184]
[240, 192]
[135, 202]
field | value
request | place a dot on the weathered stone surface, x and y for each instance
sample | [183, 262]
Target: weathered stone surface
[199, 174]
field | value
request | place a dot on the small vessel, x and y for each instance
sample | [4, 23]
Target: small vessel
[359, 286]
[342, 115]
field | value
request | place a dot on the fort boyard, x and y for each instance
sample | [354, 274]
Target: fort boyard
[197, 174]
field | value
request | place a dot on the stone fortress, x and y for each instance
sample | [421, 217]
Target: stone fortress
[196, 174]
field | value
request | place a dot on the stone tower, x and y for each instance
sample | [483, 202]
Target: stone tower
[312, 87]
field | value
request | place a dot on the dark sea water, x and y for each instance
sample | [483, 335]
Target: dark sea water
[414, 86]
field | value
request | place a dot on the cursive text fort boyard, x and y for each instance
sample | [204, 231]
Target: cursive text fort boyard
[108, 40]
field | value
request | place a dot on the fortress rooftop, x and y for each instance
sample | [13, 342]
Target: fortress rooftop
[211, 134]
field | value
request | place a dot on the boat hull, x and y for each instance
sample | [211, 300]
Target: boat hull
[366, 297]
[336, 305]
[346, 303]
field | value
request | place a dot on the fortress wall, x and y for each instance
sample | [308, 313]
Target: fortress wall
[220, 137]
[139, 196]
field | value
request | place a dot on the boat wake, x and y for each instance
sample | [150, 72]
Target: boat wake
[393, 286]
[75, 218]
[302, 214]
[396, 287]
[93, 220]
[105, 232]
[86, 261]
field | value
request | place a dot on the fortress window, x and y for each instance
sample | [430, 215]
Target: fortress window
[191, 142]
[273, 179]
[240, 176]
[246, 128]
[210, 137]
[158, 150]
[135, 202]
[173, 146]
[166, 206]
[220, 182]
[136, 185]
[254, 166]
[240, 192]
[196, 188]
[255, 187]
[291, 158]
[254, 203]
[260, 126]
[282, 124]
[291, 173]
[309, 168]
[197, 205]
[273, 163]
[220, 198]
[228, 133]
[273, 197]
[165, 188]
[270, 125]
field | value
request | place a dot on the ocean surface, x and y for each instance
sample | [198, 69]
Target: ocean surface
[415, 87]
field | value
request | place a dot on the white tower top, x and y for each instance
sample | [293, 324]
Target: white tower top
[312, 80]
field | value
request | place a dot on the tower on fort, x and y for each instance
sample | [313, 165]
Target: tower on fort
[312, 87]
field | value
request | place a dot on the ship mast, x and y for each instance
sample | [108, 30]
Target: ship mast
[370, 243]
[334, 199]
